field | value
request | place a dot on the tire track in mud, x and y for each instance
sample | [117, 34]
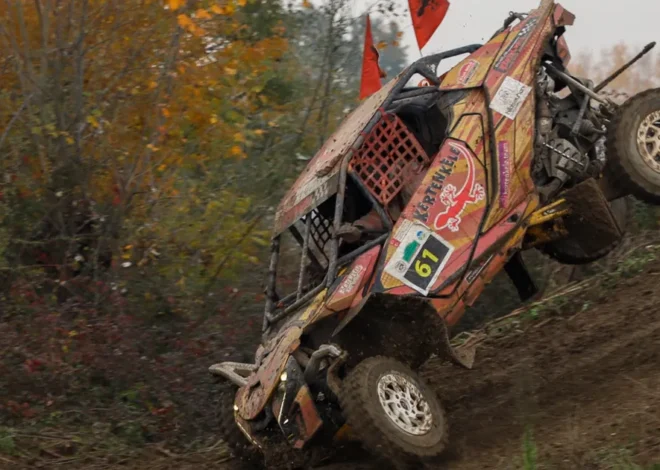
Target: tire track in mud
[585, 383]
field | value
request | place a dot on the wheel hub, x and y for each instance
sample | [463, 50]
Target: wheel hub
[404, 404]
[648, 140]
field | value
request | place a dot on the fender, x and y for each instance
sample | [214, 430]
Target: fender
[399, 327]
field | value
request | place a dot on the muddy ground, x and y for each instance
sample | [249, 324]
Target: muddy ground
[584, 379]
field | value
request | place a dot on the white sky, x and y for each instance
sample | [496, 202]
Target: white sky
[599, 24]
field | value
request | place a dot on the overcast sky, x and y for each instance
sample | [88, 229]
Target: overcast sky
[599, 23]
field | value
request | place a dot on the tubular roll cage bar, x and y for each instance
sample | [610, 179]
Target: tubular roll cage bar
[424, 67]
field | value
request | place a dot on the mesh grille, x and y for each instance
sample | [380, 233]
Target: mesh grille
[320, 235]
[387, 156]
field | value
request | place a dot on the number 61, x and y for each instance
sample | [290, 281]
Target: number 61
[424, 269]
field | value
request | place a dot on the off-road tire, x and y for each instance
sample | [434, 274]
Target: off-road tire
[247, 455]
[369, 423]
[568, 251]
[625, 168]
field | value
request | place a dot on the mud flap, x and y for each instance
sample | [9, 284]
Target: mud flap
[461, 356]
[591, 223]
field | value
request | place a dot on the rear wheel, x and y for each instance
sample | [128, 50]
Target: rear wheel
[393, 412]
[633, 147]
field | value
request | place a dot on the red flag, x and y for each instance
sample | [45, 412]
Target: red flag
[427, 15]
[371, 72]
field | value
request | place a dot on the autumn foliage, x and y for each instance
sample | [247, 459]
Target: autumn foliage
[143, 147]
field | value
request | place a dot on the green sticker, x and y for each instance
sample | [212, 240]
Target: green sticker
[410, 250]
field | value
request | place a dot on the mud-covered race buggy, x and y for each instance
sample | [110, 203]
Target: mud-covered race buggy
[416, 202]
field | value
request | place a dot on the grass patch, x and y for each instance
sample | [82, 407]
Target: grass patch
[7, 443]
[622, 459]
[530, 452]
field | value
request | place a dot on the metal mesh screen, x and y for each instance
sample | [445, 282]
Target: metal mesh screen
[386, 155]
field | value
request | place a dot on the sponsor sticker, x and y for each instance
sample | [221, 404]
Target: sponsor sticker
[351, 280]
[473, 274]
[313, 188]
[456, 200]
[510, 97]
[420, 258]
[401, 232]
[467, 71]
[505, 172]
[453, 198]
[515, 47]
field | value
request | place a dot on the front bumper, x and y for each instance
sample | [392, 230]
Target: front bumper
[292, 405]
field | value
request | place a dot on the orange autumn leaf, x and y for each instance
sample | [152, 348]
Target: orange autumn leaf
[202, 14]
[381, 45]
[307, 4]
[218, 10]
[197, 31]
[236, 151]
[175, 4]
[184, 21]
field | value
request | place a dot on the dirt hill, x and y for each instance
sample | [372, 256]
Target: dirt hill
[570, 383]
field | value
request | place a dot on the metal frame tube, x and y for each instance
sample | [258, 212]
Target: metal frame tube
[303, 258]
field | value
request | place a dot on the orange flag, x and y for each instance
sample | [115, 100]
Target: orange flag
[371, 72]
[427, 15]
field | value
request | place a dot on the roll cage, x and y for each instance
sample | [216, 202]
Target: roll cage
[314, 231]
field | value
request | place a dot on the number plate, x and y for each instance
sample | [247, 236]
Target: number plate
[420, 258]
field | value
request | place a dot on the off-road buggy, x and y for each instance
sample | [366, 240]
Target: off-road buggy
[417, 201]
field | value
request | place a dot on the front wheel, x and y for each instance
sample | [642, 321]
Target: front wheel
[633, 147]
[248, 456]
[393, 412]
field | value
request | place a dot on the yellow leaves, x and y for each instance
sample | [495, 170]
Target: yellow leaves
[202, 14]
[176, 4]
[236, 151]
[152, 84]
[213, 119]
[307, 4]
[189, 25]
[381, 45]
[238, 137]
[162, 167]
[166, 112]
[92, 121]
[152, 147]
[230, 71]
[224, 10]
[241, 3]
[259, 132]
[184, 21]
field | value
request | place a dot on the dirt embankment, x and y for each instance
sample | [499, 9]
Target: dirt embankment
[586, 382]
